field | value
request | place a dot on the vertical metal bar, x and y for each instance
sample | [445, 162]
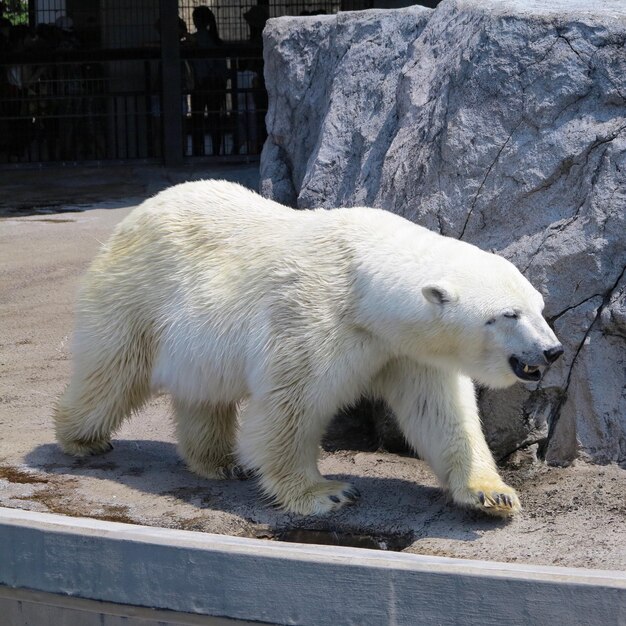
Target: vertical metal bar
[31, 13]
[127, 128]
[148, 105]
[137, 124]
[235, 64]
[171, 86]
[116, 147]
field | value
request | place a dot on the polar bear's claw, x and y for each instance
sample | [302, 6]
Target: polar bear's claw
[338, 493]
[498, 500]
[498, 503]
[238, 472]
[223, 472]
[352, 493]
[319, 498]
[233, 472]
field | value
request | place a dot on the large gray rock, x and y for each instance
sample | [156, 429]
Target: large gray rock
[499, 122]
[332, 85]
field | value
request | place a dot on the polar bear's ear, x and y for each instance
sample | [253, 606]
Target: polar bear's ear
[440, 293]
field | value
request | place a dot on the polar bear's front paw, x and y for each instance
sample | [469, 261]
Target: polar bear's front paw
[503, 502]
[500, 500]
[320, 498]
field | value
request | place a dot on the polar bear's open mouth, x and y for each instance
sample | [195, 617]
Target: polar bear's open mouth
[524, 371]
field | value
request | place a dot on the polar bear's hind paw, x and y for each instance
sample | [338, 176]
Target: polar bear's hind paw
[226, 471]
[320, 498]
[83, 448]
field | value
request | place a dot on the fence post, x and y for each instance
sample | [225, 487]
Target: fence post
[171, 86]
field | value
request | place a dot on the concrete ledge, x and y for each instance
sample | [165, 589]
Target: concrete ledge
[20, 607]
[278, 583]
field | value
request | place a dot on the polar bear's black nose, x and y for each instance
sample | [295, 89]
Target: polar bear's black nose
[553, 353]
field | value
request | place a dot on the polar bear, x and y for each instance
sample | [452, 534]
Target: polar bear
[261, 321]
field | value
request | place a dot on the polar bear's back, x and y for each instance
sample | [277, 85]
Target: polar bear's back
[186, 230]
[224, 231]
[209, 208]
[206, 268]
[190, 247]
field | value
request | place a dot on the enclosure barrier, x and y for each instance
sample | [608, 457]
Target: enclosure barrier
[192, 573]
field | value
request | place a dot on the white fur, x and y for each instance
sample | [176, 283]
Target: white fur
[234, 304]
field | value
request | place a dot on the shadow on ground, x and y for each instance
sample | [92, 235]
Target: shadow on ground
[392, 513]
[70, 189]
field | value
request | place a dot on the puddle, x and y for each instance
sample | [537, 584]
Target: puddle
[54, 221]
[392, 543]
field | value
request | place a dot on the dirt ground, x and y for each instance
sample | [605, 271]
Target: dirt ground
[572, 516]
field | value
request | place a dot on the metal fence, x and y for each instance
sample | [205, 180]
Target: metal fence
[241, 20]
[111, 109]
[72, 109]
[98, 80]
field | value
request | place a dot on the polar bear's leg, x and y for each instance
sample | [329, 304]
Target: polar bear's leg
[111, 379]
[206, 438]
[438, 415]
[280, 440]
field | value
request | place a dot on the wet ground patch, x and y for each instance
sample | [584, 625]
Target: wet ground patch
[14, 475]
[390, 542]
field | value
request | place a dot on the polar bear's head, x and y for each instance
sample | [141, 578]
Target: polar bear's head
[496, 318]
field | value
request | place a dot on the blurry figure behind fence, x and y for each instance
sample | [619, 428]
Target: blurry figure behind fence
[210, 74]
[254, 133]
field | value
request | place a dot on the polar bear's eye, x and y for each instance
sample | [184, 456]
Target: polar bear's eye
[513, 315]
[490, 321]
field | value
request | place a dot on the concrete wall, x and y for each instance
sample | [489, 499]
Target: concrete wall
[278, 583]
[20, 607]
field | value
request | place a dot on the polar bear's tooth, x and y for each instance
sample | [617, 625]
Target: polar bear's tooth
[526, 368]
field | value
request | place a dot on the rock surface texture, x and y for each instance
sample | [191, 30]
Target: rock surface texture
[499, 122]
